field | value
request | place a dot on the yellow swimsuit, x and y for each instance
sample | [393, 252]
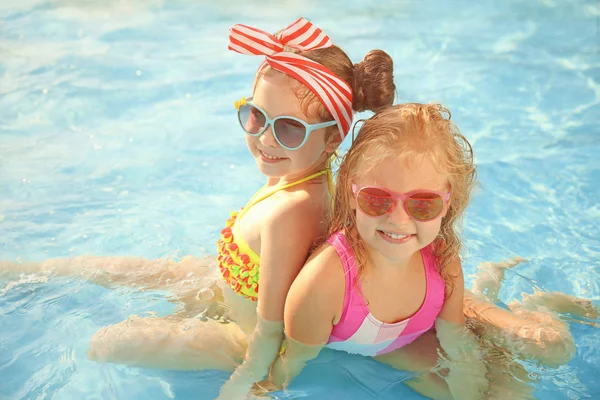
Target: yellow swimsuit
[239, 264]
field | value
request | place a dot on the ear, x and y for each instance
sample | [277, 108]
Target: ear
[333, 142]
[447, 207]
[352, 197]
[257, 79]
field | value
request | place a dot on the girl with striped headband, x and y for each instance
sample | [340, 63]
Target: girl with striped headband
[305, 94]
[304, 97]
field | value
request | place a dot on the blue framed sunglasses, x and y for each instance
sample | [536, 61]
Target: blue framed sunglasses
[290, 132]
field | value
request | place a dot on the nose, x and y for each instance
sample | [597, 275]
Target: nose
[399, 216]
[267, 138]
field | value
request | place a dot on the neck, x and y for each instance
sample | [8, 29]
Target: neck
[320, 165]
[382, 266]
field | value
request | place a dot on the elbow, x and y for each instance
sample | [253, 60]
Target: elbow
[559, 346]
[550, 346]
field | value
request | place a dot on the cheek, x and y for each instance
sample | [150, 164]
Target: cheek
[432, 227]
[251, 144]
[365, 224]
[308, 153]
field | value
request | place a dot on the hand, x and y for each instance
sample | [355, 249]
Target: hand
[264, 387]
[236, 388]
[262, 351]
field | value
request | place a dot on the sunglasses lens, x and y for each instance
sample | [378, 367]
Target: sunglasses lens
[291, 133]
[252, 119]
[424, 206]
[375, 202]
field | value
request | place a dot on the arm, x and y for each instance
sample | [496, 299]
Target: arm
[115, 271]
[286, 239]
[466, 378]
[313, 304]
[529, 334]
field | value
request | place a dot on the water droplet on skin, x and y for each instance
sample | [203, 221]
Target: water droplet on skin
[534, 376]
[205, 294]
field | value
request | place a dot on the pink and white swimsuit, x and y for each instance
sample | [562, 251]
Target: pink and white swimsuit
[359, 332]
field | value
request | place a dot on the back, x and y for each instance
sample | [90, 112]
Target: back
[359, 332]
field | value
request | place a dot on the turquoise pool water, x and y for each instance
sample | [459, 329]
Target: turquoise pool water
[118, 137]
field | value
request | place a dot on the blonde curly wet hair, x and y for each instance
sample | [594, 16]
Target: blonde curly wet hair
[414, 131]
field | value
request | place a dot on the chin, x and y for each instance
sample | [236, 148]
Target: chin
[399, 256]
[269, 171]
[398, 252]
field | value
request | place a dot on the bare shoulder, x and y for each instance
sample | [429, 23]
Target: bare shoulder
[452, 311]
[324, 267]
[298, 216]
[454, 269]
[316, 297]
[321, 281]
[298, 204]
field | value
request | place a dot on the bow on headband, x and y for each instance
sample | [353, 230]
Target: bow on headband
[302, 35]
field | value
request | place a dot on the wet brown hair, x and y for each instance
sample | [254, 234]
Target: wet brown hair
[371, 80]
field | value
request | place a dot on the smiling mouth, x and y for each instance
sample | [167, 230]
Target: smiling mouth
[269, 157]
[395, 237]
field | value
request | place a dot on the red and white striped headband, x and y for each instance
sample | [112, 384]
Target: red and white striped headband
[302, 35]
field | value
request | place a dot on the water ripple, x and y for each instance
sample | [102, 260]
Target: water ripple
[118, 137]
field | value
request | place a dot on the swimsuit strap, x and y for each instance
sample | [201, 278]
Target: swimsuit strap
[330, 182]
[259, 196]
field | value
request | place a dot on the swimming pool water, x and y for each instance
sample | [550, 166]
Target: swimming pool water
[118, 137]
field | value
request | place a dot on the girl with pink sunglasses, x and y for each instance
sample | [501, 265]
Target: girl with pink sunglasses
[390, 270]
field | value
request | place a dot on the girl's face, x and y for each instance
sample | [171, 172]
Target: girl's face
[396, 236]
[275, 94]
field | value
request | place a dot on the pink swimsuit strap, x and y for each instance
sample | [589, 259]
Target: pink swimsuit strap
[358, 331]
